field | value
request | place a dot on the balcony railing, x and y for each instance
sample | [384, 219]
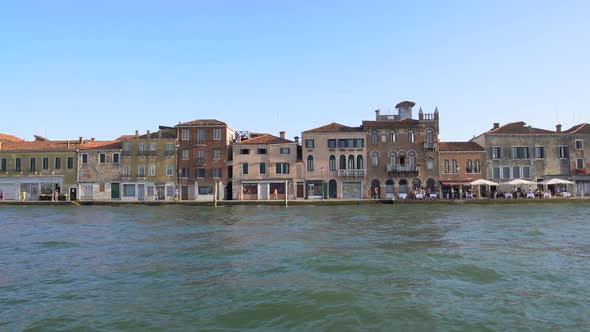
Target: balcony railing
[402, 168]
[199, 142]
[430, 146]
[142, 153]
[351, 173]
[126, 153]
[152, 153]
[581, 171]
[169, 153]
[200, 161]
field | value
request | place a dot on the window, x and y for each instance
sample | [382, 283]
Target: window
[332, 163]
[360, 162]
[153, 147]
[84, 158]
[332, 143]
[342, 162]
[116, 158]
[200, 173]
[309, 163]
[141, 147]
[359, 143]
[18, 164]
[520, 152]
[282, 168]
[579, 144]
[127, 147]
[496, 173]
[526, 172]
[201, 136]
[216, 154]
[101, 187]
[469, 166]
[70, 162]
[411, 136]
[184, 154]
[505, 172]
[539, 152]
[129, 190]
[126, 171]
[375, 136]
[184, 173]
[447, 166]
[141, 170]
[412, 155]
[245, 168]
[392, 136]
[496, 152]
[244, 151]
[263, 168]
[152, 170]
[342, 143]
[33, 164]
[429, 135]
[455, 166]
[3, 165]
[563, 152]
[516, 172]
[262, 151]
[216, 173]
[45, 163]
[57, 162]
[429, 164]
[185, 135]
[477, 167]
[285, 151]
[393, 158]
[309, 143]
[169, 170]
[250, 189]
[375, 158]
[102, 158]
[217, 134]
[351, 162]
[169, 149]
[205, 190]
[579, 163]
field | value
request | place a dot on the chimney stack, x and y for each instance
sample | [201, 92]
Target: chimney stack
[137, 134]
[558, 128]
[377, 114]
[81, 140]
[296, 138]
[282, 134]
[148, 135]
[496, 125]
[160, 134]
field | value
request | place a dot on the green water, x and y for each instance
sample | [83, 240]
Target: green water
[313, 268]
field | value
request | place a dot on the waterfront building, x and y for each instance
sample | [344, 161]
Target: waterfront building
[579, 145]
[204, 152]
[334, 159]
[266, 167]
[39, 168]
[99, 170]
[461, 163]
[148, 166]
[402, 151]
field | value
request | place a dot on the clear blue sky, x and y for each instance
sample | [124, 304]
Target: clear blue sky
[105, 68]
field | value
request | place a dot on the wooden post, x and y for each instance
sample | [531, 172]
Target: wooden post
[286, 193]
[215, 195]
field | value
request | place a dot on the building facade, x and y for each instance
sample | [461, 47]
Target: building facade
[579, 145]
[461, 163]
[334, 159]
[402, 151]
[148, 167]
[99, 170]
[204, 153]
[265, 168]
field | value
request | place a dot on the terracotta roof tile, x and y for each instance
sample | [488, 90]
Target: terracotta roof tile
[9, 138]
[582, 128]
[518, 128]
[459, 146]
[265, 139]
[42, 146]
[333, 128]
[202, 122]
[96, 145]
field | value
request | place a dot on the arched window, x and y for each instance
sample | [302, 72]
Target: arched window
[393, 158]
[411, 136]
[402, 158]
[469, 166]
[477, 168]
[429, 135]
[310, 163]
[430, 164]
[360, 163]
[351, 162]
[455, 166]
[342, 162]
[375, 158]
[392, 136]
[412, 158]
[447, 166]
[375, 136]
[332, 163]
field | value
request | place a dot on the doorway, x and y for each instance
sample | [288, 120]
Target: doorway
[115, 191]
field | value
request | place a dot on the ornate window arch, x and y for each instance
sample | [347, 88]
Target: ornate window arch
[375, 158]
[332, 163]
[310, 163]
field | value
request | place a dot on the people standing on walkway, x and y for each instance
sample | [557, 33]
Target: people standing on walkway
[1, 195]
[24, 195]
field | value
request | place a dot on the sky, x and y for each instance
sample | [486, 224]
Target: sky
[107, 68]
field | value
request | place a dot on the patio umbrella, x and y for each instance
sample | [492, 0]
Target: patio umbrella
[557, 181]
[482, 182]
[520, 182]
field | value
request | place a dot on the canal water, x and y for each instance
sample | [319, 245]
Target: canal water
[314, 268]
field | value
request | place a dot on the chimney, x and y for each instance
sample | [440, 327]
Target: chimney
[558, 128]
[93, 139]
[137, 134]
[377, 114]
[0, 145]
[496, 125]
[160, 134]
[282, 134]
[81, 139]
[68, 143]
[296, 138]
[148, 135]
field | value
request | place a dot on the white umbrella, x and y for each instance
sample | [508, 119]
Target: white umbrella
[557, 181]
[482, 182]
[520, 182]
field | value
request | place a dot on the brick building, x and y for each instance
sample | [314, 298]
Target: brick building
[460, 163]
[99, 170]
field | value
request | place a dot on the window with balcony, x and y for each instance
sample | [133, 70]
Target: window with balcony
[539, 152]
[153, 147]
[169, 149]
[310, 165]
[332, 163]
[580, 163]
[141, 147]
[429, 135]
[342, 161]
[393, 158]
[351, 162]
[200, 156]
[360, 162]
[412, 158]
[496, 152]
